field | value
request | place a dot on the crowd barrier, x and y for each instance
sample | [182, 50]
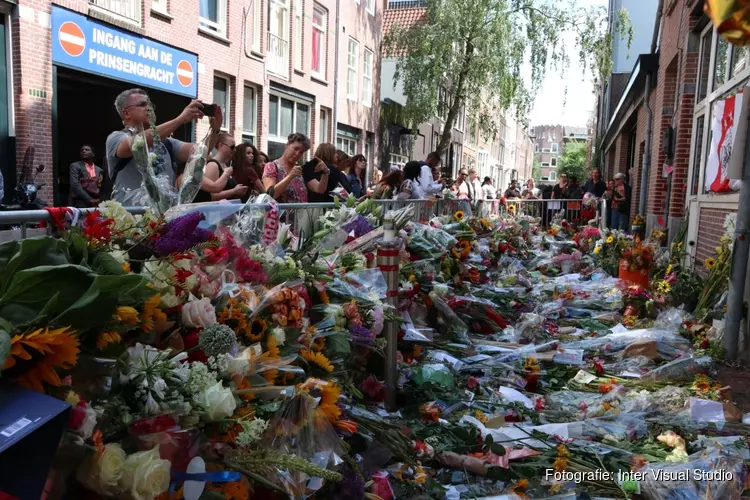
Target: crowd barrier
[300, 214]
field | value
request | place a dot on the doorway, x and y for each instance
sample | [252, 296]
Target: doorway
[85, 114]
[7, 143]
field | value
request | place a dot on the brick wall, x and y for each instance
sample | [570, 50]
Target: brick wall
[32, 68]
[711, 225]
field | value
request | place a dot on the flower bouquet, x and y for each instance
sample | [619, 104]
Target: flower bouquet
[566, 261]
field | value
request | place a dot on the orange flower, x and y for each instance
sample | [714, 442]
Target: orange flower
[106, 338]
[48, 351]
[605, 388]
[560, 464]
[257, 330]
[346, 426]
[521, 486]
[127, 315]
[125, 266]
[242, 386]
[329, 398]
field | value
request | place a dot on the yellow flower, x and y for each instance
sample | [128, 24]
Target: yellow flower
[459, 216]
[555, 488]
[560, 464]
[597, 250]
[125, 266]
[316, 358]
[710, 263]
[43, 352]
[329, 398]
[663, 287]
[669, 269]
[106, 338]
[481, 416]
[562, 451]
[610, 239]
[127, 315]
[591, 240]
[72, 398]
[151, 313]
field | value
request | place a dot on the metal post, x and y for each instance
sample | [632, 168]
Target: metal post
[388, 262]
[738, 273]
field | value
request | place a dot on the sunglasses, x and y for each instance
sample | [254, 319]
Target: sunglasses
[227, 145]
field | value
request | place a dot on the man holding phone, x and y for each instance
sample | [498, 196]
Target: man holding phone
[134, 108]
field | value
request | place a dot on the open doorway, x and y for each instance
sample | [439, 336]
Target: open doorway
[86, 115]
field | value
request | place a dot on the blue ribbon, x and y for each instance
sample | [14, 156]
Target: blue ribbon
[208, 477]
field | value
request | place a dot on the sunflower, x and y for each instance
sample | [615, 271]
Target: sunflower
[257, 330]
[151, 313]
[610, 239]
[485, 223]
[459, 216]
[702, 386]
[38, 355]
[106, 338]
[127, 315]
[709, 263]
[316, 358]
[329, 398]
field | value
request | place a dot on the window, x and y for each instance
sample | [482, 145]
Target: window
[159, 5]
[370, 6]
[352, 62]
[398, 160]
[252, 27]
[739, 60]
[720, 65]
[367, 78]
[249, 114]
[503, 127]
[536, 147]
[319, 41]
[443, 105]
[472, 130]
[461, 122]
[221, 97]
[553, 161]
[555, 147]
[545, 150]
[213, 16]
[298, 35]
[347, 145]
[545, 164]
[435, 141]
[325, 126]
[277, 45]
[704, 63]
[553, 176]
[697, 154]
[285, 116]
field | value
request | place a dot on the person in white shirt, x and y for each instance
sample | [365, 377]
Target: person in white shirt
[427, 183]
[489, 191]
[476, 193]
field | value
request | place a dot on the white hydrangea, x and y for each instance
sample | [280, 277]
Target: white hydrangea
[200, 379]
[251, 432]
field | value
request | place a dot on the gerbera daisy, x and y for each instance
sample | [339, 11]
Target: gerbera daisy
[316, 358]
[709, 263]
[459, 216]
[35, 357]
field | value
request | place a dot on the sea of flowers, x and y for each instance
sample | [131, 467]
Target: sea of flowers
[210, 352]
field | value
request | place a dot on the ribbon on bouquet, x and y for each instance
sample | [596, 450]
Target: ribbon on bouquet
[229, 284]
[271, 224]
[196, 477]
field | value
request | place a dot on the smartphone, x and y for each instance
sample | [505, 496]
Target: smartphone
[209, 110]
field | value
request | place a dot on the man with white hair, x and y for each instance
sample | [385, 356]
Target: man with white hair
[135, 109]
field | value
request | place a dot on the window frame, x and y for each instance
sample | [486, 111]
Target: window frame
[253, 28]
[219, 27]
[346, 144]
[370, 7]
[555, 148]
[323, 29]
[402, 160]
[367, 88]
[553, 162]
[552, 175]
[161, 6]
[298, 35]
[225, 124]
[352, 73]
[250, 133]
[273, 136]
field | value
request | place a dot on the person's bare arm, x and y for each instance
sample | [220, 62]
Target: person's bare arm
[259, 187]
[236, 192]
[319, 186]
[281, 186]
[190, 113]
[212, 182]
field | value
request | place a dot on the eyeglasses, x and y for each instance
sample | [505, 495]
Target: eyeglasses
[142, 104]
[227, 145]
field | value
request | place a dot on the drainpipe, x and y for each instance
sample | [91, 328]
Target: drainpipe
[738, 273]
[336, 74]
[649, 118]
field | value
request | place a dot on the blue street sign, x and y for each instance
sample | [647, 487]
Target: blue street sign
[95, 47]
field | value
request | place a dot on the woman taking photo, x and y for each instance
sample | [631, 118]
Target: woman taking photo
[284, 175]
[356, 175]
[247, 169]
[320, 176]
[388, 185]
[217, 183]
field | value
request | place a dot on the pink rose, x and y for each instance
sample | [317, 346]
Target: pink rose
[199, 313]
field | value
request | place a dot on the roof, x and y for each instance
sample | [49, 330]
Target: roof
[404, 17]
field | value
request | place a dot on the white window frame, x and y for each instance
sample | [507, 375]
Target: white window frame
[370, 7]
[161, 6]
[228, 102]
[346, 144]
[250, 133]
[555, 147]
[545, 164]
[536, 147]
[298, 34]
[325, 132]
[552, 175]
[553, 162]
[352, 64]
[253, 28]
[219, 27]
[323, 29]
[398, 160]
[273, 136]
[367, 78]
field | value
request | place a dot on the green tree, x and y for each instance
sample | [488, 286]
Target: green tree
[536, 169]
[477, 49]
[573, 161]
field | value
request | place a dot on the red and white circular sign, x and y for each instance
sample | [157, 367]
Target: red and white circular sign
[184, 73]
[72, 39]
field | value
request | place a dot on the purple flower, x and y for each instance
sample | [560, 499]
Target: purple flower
[362, 335]
[352, 487]
[181, 234]
[359, 225]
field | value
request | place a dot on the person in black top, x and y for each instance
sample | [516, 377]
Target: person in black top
[319, 182]
[573, 190]
[595, 185]
[217, 183]
[621, 203]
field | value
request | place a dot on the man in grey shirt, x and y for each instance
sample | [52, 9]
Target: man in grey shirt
[133, 106]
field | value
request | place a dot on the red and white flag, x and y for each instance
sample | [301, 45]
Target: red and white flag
[727, 137]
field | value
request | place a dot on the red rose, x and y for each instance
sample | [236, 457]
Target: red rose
[472, 383]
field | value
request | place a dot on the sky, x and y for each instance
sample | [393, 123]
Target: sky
[566, 98]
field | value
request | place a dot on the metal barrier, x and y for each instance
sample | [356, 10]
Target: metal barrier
[305, 215]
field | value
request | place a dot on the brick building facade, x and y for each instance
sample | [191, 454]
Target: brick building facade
[271, 63]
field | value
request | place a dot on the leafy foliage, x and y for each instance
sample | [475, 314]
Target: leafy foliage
[470, 54]
[536, 169]
[573, 161]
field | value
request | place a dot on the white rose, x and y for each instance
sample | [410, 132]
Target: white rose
[145, 475]
[199, 313]
[279, 334]
[170, 300]
[89, 423]
[218, 402]
[102, 472]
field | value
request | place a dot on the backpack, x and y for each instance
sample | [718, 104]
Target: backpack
[108, 184]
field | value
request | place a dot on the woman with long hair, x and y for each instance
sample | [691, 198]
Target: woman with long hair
[355, 174]
[320, 175]
[410, 188]
[341, 160]
[388, 185]
[262, 160]
[245, 162]
[284, 175]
